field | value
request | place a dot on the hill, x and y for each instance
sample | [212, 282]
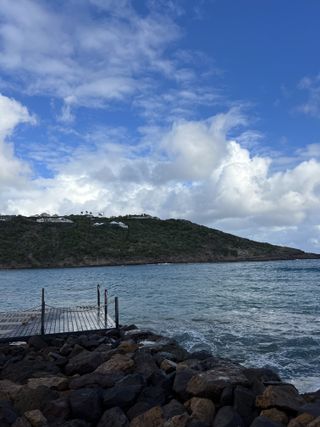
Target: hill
[81, 240]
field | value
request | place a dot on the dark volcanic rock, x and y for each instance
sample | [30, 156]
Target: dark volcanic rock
[174, 407]
[84, 362]
[86, 404]
[8, 414]
[182, 378]
[19, 372]
[114, 417]
[227, 417]
[265, 422]
[28, 399]
[95, 380]
[281, 396]
[244, 404]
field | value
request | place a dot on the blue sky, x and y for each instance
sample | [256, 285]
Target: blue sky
[207, 110]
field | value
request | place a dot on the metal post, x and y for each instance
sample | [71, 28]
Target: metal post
[106, 308]
[43, 308]
[98, 296]
[116, 311]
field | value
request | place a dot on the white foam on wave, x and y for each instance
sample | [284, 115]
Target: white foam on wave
[306, 384]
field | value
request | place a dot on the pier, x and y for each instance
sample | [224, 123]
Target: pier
[51, 320]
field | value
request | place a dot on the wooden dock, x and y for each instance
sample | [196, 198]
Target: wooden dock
[50, 320]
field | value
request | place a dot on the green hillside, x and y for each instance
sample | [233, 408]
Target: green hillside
[25, 242]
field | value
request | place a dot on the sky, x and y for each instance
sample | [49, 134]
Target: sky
[207, 110]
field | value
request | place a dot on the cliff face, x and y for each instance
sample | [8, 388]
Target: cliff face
[26, 243]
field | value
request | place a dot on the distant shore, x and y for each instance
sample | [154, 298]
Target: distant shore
[172, 260]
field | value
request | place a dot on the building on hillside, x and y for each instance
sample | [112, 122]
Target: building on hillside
[60, 220]
[118, 224]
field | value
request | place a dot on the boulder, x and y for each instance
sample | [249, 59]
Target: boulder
[244, 404]
[124, 393]
[138, 408]
[201, 409]
[128, 346]
[227, 417]
[8, 414]
[301, 420]
[145, 363]
[182, 378]
[56, 383]
[275, 415]
[36, 418]
[114, 417]
[95, 380]
[21, 422]
[281, 396]
[168, 366]
[118, 362]
[37, 342]
[264, 375]
[172, 409]
[28, 399]
[20, 371]
[315, 422]
[8, 390]
[182, 420]
[84, 362]
[311, 408]
[152, 418]
[58, 409]
[86, 404]
[264, 422]
[226, 398]
[211, 383]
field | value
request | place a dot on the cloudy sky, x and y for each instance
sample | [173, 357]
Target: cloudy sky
[207, 110]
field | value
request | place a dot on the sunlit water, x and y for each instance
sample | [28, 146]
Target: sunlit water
[260, 313]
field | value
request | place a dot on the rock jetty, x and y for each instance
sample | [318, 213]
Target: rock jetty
[135, 378]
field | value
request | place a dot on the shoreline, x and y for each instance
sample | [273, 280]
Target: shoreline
[157, 262]
[136, 378]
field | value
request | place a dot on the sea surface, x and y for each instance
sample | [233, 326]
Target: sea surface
[257, 313]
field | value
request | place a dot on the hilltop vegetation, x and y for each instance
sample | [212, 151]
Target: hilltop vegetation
[27, 243]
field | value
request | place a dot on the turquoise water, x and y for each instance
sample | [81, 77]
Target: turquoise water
[260, 313]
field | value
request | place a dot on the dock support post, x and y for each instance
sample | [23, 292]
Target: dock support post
[106, 308]
[43, 308]
[98, 297]
[116, 311]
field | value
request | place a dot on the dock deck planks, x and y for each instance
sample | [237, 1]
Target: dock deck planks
[58, 320]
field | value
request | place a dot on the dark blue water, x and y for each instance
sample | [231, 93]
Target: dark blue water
[260, 314]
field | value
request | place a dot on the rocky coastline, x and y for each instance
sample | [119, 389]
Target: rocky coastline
[136, 378]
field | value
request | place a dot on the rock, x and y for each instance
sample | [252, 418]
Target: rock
[226, 398]
[138, 409]
[244, 404]
[168, 366]
[275, 415]
[311, 408]
[58, 409]
[315, 423]
[95, 380]
[28, 399]
[37, 342]
[264, 422]
[181, 420]
[8, 390]
[159, 378]
[301, 420]
[227, 417]
[172, 409]
[66, 349]
[145, 364]
[152, 418]
[202, 409]
[19, 372]
[36, 418]
[182, 378]
[124, 392]
[281, 396]
[162, 355]
[84, 362]
[128, 346]
[118, 362]
[211, 383]
[86, 404]
[114, 417]
[56, 383]
[8, 415]
[21, 422]
[153, 394]
[261, 374]
[139, 335]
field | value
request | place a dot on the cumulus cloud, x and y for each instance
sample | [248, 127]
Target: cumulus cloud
[12, 169]
[196, 172]
[311, 85]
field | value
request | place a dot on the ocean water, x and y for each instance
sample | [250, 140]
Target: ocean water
[257, 313]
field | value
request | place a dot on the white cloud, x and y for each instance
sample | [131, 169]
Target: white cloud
[311, 106]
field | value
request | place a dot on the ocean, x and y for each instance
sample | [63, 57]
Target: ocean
[257, 313]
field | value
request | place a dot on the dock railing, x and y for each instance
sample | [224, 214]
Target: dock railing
[52, 320]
